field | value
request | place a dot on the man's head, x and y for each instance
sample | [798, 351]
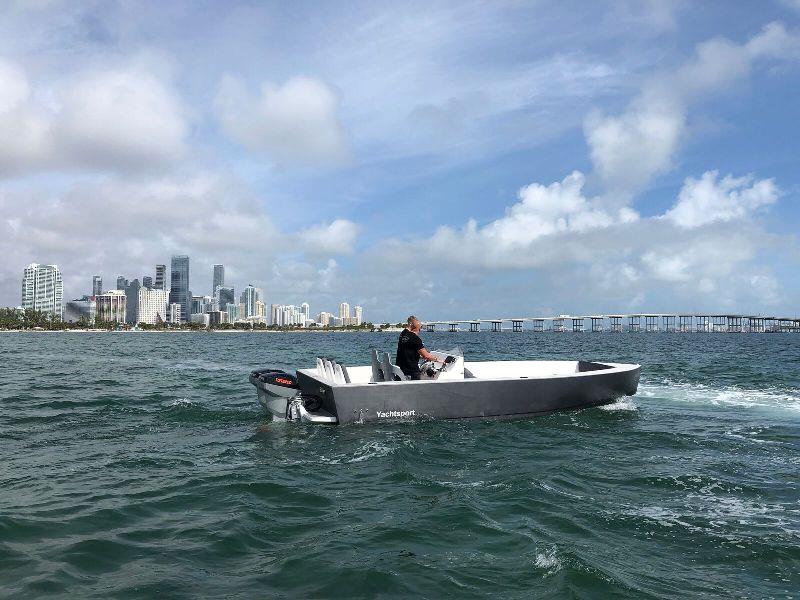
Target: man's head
[413, 324]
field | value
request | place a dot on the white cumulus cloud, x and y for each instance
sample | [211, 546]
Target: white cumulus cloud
[708, 199]
[542, 210]
[629, 149]
[113, 119]
[293, 124]
[337, 237]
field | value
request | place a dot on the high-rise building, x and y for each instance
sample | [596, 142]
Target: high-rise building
[261, 309]
[152, 306]
[111, 306]
[344, 310]
[233, 312]
[219, 278]
[147, 282]
[306, 310]
[132, 302]
[97, 285]
[174, 312]
[324, 318]
[161, 277]
[179, 285]
[224, 296]
[43, 289]
[81, 309]
[122, 283]
[249, 299]
[201, 304]
[358, 314]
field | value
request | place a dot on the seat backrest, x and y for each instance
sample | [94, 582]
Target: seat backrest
[390, 372]
[338, 373]
[377, 374]
[329, 373]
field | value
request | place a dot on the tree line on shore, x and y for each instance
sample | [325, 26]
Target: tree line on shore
[12, 318]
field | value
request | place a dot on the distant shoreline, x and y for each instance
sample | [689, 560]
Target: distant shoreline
[199, 331]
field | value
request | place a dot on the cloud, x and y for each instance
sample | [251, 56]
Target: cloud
[708, 200]
[128, 118]
[337, 237]
[629, 149]
[579, 252]
[123, 119]
[125, 226]
[292, 124]
[559, 208]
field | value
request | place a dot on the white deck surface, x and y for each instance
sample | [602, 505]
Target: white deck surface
[499, 369]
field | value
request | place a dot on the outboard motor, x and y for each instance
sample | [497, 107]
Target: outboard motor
[276, 388]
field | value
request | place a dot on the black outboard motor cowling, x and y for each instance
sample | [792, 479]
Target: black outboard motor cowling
[279, 378]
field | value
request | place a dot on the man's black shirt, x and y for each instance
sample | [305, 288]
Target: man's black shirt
[408, 347]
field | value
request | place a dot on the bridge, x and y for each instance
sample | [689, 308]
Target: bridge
[634, 322]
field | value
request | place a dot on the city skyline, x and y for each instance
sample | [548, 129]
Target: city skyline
[645, 160]
[134, 302]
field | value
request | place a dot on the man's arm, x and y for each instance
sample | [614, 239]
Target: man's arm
[423, 352]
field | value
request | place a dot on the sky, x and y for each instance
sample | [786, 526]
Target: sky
[451, 160]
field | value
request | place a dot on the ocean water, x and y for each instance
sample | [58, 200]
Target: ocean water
[140, 466]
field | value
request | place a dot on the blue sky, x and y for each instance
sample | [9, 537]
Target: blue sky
[454, 160]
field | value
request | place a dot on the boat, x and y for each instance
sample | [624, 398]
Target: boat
[333, 393]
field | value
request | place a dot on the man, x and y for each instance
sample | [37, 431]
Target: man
[410, 349]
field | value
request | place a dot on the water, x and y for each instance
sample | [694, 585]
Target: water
[139, 465]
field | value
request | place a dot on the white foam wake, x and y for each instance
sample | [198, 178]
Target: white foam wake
[733, 396]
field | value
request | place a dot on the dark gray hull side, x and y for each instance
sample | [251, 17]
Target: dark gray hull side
[469, 398]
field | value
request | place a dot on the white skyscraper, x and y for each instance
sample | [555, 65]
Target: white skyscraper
[306, 310]
[42, 289]
[152, 307]
[344, 310]
[174, 312]
[249, 298]
[358, 313]
[111, 306]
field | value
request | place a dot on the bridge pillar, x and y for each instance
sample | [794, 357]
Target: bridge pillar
[702, 324]
[651, 323]
[453, 327]
[475, 326]
[516, 325]
[430, 327]
[497, 325]
[597, 324]
[616, 324]
[669, 323]
[538, 325]
[558, 325]
[577, 324]
[634, 323]
[735, 324]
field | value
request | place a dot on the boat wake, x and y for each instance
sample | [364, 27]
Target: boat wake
[730, 396]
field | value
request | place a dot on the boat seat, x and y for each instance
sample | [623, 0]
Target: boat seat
[332, 370]
[377, 374]
[383, 369]
[391, 372]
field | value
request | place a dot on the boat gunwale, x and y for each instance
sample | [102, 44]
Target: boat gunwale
[614, 369]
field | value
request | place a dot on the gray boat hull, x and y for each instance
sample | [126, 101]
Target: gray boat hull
[594, 384]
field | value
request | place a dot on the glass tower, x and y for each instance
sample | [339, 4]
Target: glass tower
[179, 285]
[161, 277]
[219, 278]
